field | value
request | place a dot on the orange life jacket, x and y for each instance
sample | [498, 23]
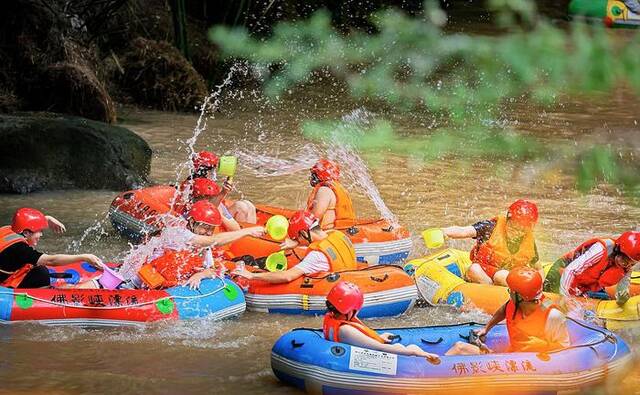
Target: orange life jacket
[338, 249]
[331, 328]
[177, 266]
[495, 251]
[603, 274]
[343, 211]
[8, 238]
[521, 328]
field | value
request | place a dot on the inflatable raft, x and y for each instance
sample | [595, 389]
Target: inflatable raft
[388, 291]
[216, 298]
[304, 359]
[440, 280]
[137, 213]
[612, 13]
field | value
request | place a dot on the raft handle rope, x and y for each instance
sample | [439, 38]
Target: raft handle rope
[175, 297]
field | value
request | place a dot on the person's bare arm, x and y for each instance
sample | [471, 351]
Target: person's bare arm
[460, 232]
[272, 277]
[322, 201]
[64, 259]
[223, 238]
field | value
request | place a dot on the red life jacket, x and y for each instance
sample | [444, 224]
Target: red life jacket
[520, 328]
[603, 274]
[8, 238]
[178, 266]
[331, 328]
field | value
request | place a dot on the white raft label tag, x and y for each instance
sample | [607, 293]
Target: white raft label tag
[373, 361]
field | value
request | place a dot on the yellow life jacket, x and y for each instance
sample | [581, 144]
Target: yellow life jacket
[345, 216]
[339, 251]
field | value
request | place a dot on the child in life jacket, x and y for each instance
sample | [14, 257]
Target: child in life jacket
[595, 265]
[187, 255]
[534, 324]
[342, 325]
[327, 251]
[502, 243]
[329, 201]
[204, 167]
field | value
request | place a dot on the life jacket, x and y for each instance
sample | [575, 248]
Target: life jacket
[343, 211]
[495, 251]
[331, 328]
[521, 328]
[8, 238]
[338, 249]
[603, 274]
[175, 267]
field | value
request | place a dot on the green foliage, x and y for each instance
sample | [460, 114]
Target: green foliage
[410, 63]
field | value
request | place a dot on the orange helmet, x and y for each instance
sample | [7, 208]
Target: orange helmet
[525, 281]
[205, 160]
[523, 212]
[326, 170]
[629, 244]
[205, 187]
[346, 297]
[301, 220]
[28, 219]
[204, 212]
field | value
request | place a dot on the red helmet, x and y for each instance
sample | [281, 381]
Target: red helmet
[206, 213]
[629, 244]
[205, 160]
[299, 221]
[526, 281]
[29, 219]
[523, 212]
[346, 297]
[326, 170]
[205, 187]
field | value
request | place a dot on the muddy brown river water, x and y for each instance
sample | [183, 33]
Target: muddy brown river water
[233, 356]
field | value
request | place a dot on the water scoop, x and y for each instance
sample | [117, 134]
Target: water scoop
[110, 279]
[276, 262]
[433, 238]
[227, 166]
[277, 227]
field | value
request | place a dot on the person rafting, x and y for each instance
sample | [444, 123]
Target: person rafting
[21, 265]
[328, 251]
[534, 324]
[595, 265]
[186, 255]
[341, 324]
[502, 243]
[204, 166]
[209, 190]
[329, 200]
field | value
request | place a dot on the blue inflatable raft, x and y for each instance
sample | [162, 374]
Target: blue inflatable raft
[303, 358]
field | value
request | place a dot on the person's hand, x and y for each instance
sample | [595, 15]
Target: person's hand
[482, 332]
[93, 261]
[388, 337]
[255, 231]
[622, 297]
[433, 358]
[194, 281]
[227, 185]
[243, 273]
[288, 244]
[55, 225]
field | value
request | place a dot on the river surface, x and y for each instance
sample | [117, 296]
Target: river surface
[233, 356]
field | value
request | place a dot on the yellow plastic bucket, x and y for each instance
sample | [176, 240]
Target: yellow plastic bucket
[276, 262]
[227, 166]
[435, 282]
[433, 238]
[277, 227]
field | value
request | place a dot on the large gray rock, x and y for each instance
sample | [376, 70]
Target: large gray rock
[46, 151]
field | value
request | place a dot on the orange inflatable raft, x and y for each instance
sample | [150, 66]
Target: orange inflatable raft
[137, 213]
[388, 292]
